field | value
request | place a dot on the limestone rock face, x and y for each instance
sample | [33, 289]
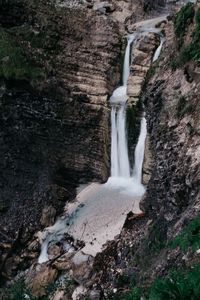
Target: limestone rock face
[142, 56]
[55, 132]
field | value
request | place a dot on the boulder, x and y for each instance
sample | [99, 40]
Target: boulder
[64, 263]
[48, 216]
[104, 7]
[39, 277]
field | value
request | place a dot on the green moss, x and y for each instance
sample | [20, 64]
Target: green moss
[133, 126]
[18, 291]
[182, 19]
[150, 73]
[190, 237]
[14, 62]
[174, 64]
[192, 50]
[177, 285]
[26, 33]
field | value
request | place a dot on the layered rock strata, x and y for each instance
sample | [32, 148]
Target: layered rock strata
[55, 134]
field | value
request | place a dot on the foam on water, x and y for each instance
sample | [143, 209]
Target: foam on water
[119, 95]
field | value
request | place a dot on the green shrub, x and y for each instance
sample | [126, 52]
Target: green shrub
[182, 19]
[177, 285]
[19, 292]
[174, 64]
[190, 237]
[192, 50]
[134, 294]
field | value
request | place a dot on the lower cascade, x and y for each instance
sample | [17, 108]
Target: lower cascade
[119, 151]
[99, 211]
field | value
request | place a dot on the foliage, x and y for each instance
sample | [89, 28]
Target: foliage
[133, 124]
[190, 237]
[150, 73]
[29, 39]
[174, 64]
[14, 63]
[177, 285]
[19, 292]
[181, 284]
[134, 294]
[192, 50]
[182, 19]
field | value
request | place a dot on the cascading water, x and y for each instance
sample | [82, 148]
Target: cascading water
[139, 152]
[158, 50]
[120, 166]
[98, 205]
[114, 147]
[124, 168]
[126, 68]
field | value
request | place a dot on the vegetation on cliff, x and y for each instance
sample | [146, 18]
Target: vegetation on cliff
[15, 64]
[187, 51]
[182, 20]
[29, 39]
[178, 284]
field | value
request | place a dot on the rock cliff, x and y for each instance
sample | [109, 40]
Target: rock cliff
[54, 131]
[164, 238]
[60, 62]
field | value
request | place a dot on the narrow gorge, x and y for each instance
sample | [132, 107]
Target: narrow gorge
[100, 147]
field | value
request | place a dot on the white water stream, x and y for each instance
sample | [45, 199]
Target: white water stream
[158, 50]
[120, 166]
[98, 213]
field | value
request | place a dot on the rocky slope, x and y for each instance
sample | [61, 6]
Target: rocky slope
[55, 134]
[165, 238]
[60, 61]
[54, 127]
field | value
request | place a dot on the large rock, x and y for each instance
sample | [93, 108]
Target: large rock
[39, 277]
[48, 216]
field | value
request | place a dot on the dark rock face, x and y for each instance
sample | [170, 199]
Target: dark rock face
[149, 4]
[55, 135]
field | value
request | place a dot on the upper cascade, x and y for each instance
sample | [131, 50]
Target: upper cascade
[120, 94]
[126, 68]
[120, 166]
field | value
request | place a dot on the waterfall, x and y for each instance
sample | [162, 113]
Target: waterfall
[124, 168]
[139, 152]
[158, 50]
[114, 146]
[126, 68]
[119, 151]
[120, 166]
